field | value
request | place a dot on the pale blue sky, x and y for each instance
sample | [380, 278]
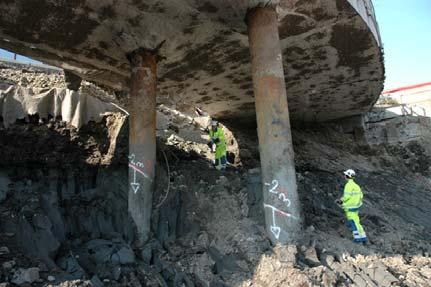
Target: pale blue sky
[9, 55]
[405, 26]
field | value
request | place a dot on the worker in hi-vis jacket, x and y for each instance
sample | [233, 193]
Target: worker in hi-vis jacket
[351, 202]
[217, 139]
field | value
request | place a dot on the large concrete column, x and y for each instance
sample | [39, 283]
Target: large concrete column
[73, 82]
[142, 139]
[281, 204]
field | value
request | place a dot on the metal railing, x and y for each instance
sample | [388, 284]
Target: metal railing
[394, 111]
[408, 110]
[365, 8]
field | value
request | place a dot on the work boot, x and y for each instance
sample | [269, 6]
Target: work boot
[362, 240]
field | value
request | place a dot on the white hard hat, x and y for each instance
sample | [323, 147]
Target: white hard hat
[349, 173]
[214, 123]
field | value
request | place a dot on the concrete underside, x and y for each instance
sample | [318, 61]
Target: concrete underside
[332, 60]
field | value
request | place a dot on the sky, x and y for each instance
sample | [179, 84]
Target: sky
[9, 55]
[405, 27]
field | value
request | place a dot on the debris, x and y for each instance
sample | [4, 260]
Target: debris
[22, 276]
[95, 281]
[4, 250]
[209, 231]
[310, 256]
[9, 264]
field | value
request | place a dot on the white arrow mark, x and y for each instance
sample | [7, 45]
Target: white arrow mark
[134, 184]
[276, 231]
[274, 228]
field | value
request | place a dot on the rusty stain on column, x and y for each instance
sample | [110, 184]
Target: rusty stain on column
[142, 139]
[281, 203]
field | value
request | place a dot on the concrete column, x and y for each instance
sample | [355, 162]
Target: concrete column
[142, 139]
[73, 82]
[281, 204]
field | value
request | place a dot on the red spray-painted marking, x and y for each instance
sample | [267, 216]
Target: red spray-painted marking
[138, 170]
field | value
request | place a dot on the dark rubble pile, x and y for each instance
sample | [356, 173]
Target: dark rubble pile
[64, 220]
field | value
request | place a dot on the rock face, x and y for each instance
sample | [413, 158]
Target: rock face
[331, 50]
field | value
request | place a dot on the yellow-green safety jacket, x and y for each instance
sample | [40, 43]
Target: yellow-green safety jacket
[217, 137]
[352, 196]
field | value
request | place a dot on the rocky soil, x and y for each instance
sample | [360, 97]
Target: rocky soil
[32, 77]
[64, 221]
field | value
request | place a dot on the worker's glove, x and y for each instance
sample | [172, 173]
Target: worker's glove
[339, 201]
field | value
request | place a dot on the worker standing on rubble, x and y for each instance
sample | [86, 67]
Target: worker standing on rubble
[351, 202]
[217, 139]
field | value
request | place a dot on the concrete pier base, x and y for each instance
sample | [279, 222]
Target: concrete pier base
[142, 139]
[281, 204]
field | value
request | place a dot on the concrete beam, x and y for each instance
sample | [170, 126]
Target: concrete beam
[281, 204]
[142, 139]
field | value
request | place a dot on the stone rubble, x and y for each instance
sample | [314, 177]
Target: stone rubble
[22, 276]
[64, 221]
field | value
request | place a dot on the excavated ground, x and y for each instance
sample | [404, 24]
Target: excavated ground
[64, 221]
[33, 77]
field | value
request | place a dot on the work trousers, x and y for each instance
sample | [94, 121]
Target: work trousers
[220, 163]
[355, 226]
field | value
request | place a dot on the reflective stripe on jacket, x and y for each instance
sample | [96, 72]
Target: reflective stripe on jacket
[352, 196]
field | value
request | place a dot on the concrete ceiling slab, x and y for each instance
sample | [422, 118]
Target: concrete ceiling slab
[331, 49]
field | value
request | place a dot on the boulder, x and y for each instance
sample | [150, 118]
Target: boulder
[8, 265]
[22, 276]
[310, 257]
[96, 282]
[328, 259]
[146, 254]
[71, 266]
[286, 254]
[126, 255]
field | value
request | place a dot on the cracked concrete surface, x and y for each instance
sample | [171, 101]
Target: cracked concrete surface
[331, 50]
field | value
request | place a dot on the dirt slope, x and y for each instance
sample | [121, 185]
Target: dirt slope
[63, 210]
